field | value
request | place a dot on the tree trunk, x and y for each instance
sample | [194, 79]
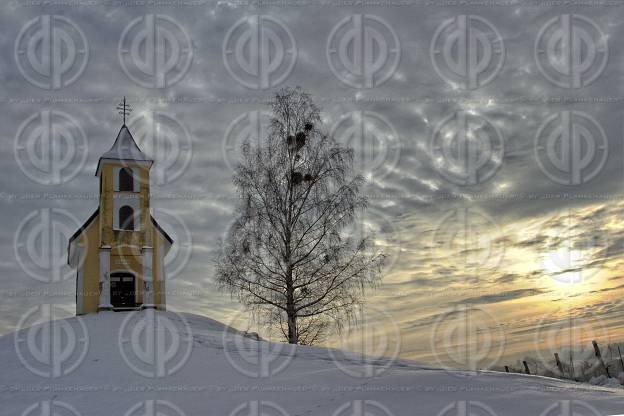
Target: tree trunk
[293, 338]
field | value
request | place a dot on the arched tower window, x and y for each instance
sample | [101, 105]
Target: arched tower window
[126, 218]
[126, 180]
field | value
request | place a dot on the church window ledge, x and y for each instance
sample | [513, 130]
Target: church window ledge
[128, 237]
[127, 195]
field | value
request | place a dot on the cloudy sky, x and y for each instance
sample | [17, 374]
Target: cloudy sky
[490, 137]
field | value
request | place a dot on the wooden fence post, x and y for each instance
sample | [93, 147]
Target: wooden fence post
[572, 374]
[559, 365]
[526, 367]
[599, 356]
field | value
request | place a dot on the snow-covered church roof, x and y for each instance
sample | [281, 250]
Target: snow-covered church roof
[124, 148]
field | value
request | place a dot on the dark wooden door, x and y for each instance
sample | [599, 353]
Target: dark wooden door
[122, 290]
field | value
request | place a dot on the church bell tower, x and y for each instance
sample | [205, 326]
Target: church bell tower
[122, 238]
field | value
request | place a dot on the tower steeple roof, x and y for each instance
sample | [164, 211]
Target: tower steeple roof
[124, 149]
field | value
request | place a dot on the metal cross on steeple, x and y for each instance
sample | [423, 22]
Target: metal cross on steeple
[124, 109]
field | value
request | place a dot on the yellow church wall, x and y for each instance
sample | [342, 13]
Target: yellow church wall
[112, 237]
[90, 239]
[125, 246]
[106, 204]
[122, 258]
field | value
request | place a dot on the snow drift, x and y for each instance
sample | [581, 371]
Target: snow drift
[166, 364]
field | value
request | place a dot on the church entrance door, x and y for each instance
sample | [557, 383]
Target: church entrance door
[122, 290]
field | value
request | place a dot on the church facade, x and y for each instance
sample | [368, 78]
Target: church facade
[119, 251]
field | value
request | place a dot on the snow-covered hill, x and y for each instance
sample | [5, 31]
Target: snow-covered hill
[165, 364]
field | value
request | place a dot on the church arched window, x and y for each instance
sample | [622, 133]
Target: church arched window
[126, 218]
[126, 180]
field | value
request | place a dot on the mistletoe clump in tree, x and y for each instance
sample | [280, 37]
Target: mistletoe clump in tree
[288, 257]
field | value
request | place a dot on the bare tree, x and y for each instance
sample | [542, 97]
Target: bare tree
[288, 257]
